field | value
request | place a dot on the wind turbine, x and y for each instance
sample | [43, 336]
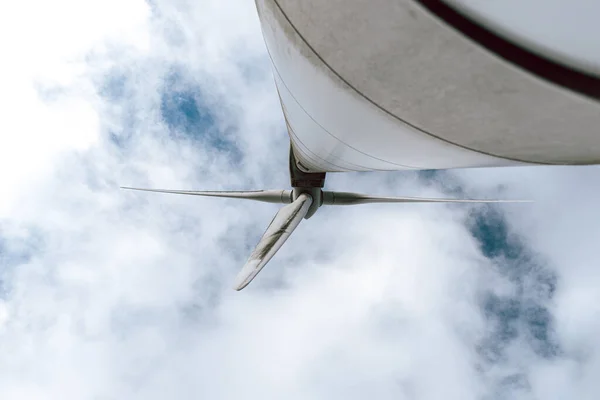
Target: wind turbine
[301, 202]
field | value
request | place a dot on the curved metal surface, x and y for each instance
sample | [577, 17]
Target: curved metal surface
[564, 31]
[385, 85]
[534, 59]
[340, 129]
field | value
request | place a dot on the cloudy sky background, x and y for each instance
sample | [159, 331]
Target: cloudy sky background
[106, 294]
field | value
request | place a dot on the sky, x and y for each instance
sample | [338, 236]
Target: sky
[107, 294]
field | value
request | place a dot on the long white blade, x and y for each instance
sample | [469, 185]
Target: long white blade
[347, 198]
[280, 229]
[268, 196]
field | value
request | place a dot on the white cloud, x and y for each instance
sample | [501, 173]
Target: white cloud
[45, 46]
[110, 294]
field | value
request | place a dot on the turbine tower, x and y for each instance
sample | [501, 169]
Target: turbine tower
[386, 85]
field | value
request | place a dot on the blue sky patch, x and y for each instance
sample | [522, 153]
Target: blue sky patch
[17, 249]
[523, 318]
[189, 116]
[184, 108]
[182, 113]
[114, 86]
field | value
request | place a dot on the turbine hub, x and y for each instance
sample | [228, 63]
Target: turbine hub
[310, 183]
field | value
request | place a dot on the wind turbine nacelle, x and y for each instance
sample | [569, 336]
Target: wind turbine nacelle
[424, 84]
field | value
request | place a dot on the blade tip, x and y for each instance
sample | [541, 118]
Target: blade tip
[247, 274]
[239, 285]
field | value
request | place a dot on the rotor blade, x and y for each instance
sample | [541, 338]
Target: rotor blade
[280, 229]
[268, 196]
[347, 198]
